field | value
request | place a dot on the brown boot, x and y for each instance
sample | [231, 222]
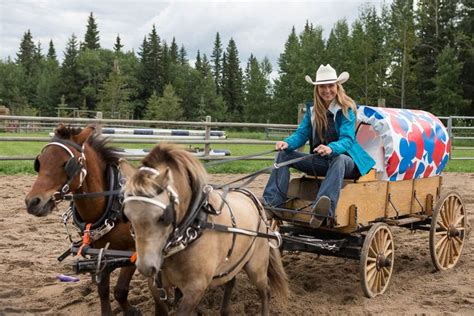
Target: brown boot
[320, 211]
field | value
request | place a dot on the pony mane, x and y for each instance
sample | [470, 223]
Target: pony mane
[100, 144]
[176, 158]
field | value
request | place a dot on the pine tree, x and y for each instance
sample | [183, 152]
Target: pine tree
[51, 52]
[198, 63]
[336, 46]
[91, 38]
[114, 93]
[183, 60]
[232, 85]
[257, 84]
[174, 52]
[206, 69]
[290, 87]
[448, 94]
[465, 41]
[118, 44]
[166, 64]
[216, 60]
[25, 56]
[167, 108]
[401, 43]
[69, 74]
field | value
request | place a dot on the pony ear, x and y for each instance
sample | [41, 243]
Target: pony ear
[165, 178]
[126, 168]
[84, 134]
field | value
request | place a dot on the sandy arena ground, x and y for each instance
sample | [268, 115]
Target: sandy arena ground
[28, 268]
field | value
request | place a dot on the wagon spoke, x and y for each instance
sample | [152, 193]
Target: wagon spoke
[386, 271]
[371, 266]
[371, 259]
[458, 240]
[455, 247]
[370, 277]
[441, 224]
[443, 217]
[376, 281]
[443, 232]
[442, 252]
[451, 202]
[379, 284]
[372, 251]
[458, 220]
[442, 239]
[387, 246]
[388, 253]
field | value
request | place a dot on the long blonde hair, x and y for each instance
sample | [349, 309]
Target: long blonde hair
[319, 109]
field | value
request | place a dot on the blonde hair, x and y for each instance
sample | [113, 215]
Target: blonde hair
[319, 109]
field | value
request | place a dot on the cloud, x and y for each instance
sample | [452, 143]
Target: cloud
[258, 27]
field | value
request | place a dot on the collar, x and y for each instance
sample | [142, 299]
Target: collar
[334, 107]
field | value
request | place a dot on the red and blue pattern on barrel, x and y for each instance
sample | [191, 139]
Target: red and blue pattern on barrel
[412, 143]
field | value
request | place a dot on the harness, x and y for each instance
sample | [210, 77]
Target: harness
[196, 220]
[90, 232]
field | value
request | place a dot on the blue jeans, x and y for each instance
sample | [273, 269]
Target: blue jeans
[335, 169]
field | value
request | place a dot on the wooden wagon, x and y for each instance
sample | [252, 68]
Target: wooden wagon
[392, 194]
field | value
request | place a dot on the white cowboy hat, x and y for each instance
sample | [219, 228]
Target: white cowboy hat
[326, 75]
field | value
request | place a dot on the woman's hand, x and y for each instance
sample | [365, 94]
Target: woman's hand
[323, 150]
[281, 145]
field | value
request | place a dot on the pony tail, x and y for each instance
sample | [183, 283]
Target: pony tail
[277, 278]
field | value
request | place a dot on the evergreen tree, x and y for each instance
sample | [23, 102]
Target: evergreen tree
[12, 85]
[183, 60]
[336, 46]
[91, 38]
[52, 52]
[465, 42]
[232, 85]
[206, 69]
[114, 94]
[25, 56]
[165, 64]
[118, 44]
[401, 42]
[216, 60]
[257, 88]
[174, 52]
[48, 87]
[167, 108]
[155, 68]
[93, 68]
[448, 94]
[71, 84]
[290, 87]
[198, 63]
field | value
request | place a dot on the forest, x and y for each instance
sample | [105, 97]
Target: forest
[408, 54]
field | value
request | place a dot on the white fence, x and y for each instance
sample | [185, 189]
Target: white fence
[460, 129]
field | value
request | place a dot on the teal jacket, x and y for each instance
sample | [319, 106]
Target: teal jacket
[347, 143]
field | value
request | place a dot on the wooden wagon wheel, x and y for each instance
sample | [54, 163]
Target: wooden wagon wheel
[448, 230]
[376, 260]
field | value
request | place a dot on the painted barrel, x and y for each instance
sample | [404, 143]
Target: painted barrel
[405, 144]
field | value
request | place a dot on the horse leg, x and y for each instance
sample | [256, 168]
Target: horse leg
[104, 290]
[122, 288]
[228, 287]
[256, 269]
[192, 295]
[160, 306]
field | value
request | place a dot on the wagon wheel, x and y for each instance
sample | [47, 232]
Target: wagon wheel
[448, 231]
[376, 260]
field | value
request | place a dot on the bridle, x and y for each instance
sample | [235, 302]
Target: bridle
[73, 166]
[169, 216]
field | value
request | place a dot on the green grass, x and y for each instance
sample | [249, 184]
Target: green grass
[33, 148]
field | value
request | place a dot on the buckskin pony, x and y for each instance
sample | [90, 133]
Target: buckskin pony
[195, 236]
[78, 161]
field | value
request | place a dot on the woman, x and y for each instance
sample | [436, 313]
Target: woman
[329, 126]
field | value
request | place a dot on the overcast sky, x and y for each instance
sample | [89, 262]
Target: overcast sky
[259, 27]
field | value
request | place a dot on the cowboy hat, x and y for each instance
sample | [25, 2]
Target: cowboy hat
[326, 75]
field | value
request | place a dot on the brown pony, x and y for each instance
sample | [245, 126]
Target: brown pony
[77, 161]
[160, 199]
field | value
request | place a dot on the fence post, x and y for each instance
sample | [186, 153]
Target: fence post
[450, 135]
[207, 146]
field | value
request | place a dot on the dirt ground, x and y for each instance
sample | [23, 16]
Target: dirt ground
[29, 247]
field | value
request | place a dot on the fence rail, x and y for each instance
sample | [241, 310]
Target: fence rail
[457, 132]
